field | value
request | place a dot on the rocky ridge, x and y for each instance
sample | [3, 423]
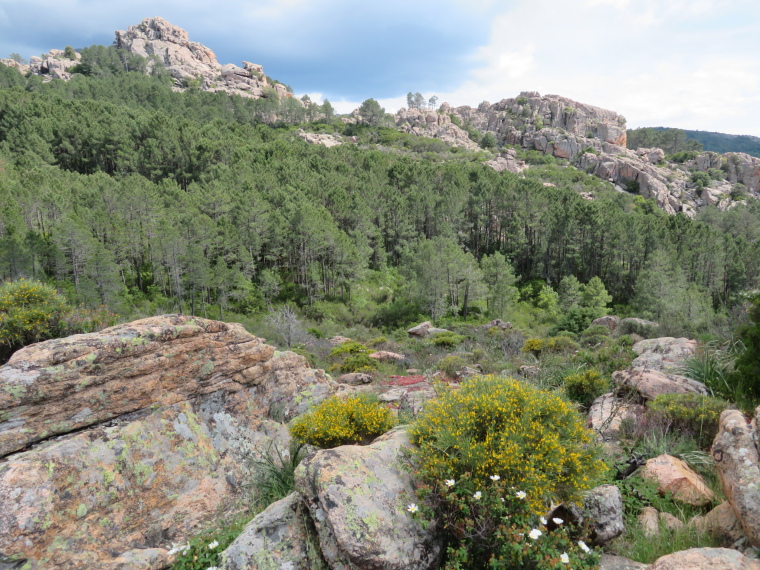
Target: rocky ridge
[187, 61]
[591, 138]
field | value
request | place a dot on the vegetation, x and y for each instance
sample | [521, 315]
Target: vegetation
[338, 421]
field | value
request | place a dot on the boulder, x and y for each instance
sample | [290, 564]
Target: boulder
[612, 562]
[496, 324]
[651, 383]
[420, 330]
[608, 412]
[666, 354]
[737, 459]
[603, 508]
[705, 559]
[338, 340]
[721, 521]
[355, 378]
[387, 356]
[175, 408]
[651, 521]
[279, 537]
[675, 477]
[358, 498]
[66, 384]
[609, 321]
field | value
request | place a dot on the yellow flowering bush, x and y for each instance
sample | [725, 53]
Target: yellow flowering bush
[585, 386]
[338, 421]
[533, 345]
[534, 440]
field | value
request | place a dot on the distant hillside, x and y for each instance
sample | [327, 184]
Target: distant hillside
[676, 140]
[721, 142]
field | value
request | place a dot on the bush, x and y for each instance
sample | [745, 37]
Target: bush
[596, 330]
[358, 363]
[561, 343]
[577, 319]
[617, 355]
[694, 413]
[700, 179]
[350, 347]
[274, 473]
[450, 365]
[491, 425]
[339, 421]
[584, 387]
[446, 339]
[492, 526]
[29, 312]
[533, 345]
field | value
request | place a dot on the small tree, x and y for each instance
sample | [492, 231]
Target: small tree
[287, 324]
[594, 295]
[69, 53]
[488, 140]
[432, 102]
[371, 112]
[569, 292]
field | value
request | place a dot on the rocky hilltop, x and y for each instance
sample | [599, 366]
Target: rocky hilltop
[187, 61]
[161, 42]
[592, 139]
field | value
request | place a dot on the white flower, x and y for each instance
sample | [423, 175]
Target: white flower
[583, 546]
[412, 508]
[557, 520]
[502, 499]
[213, 545]
[449, 482]
[477, 495]
[543, 520]
[212, 568]
[564, 558]
[181, 549]
[535, 533]
[521, 494]
[494, 478]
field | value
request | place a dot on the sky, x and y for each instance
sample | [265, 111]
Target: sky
[691, 64]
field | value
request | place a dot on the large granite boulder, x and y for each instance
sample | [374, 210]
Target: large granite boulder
[282, 536]
[665, 354]
[358, 498]
[119, 443]
[674, 476]
[705, 559]
[737, 459]
[652, 383]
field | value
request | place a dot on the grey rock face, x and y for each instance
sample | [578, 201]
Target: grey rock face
[280, 537]
[604, 507]
[737, 459]
[358, 498]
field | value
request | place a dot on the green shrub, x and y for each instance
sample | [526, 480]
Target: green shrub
[584, 387]
[560, 343]
[695, 413]
[627, 327]
[379, 341]
[450, 365]
[700, 179]
[615, 355]
[29, 312]
[358, 363]
[491, 424]
[337, 421]
[446, 339]
[350, 347]
[595, 341]
[596, 330]
[577, 319]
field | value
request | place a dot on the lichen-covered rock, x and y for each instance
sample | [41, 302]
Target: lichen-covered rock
[603, 508]
[651, 520]
[705, 559]
[675, 477]
[652, 383]
[61, 385]
[612, 562]
[665, 354]
[358, 499]
[737, 459]
[175, 408]
[280, 537]
[609, 321]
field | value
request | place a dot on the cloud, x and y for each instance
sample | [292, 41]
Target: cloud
[686, 63]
